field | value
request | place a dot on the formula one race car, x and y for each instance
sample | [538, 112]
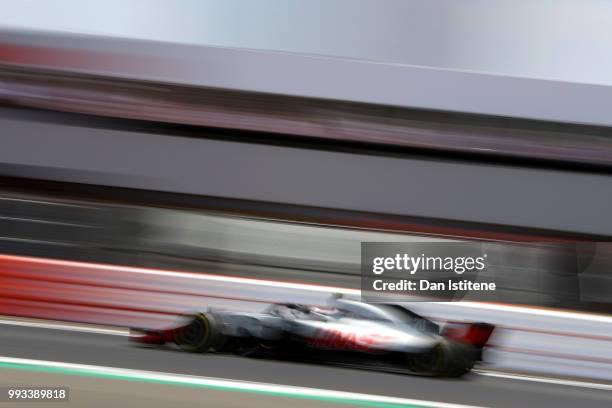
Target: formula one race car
[380, 336]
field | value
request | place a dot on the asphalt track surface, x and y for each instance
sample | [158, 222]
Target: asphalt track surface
[116, 351]
[92, 392]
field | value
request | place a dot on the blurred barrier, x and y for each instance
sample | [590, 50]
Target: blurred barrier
[526, 273]
[528, 340]
[76, 291]
[282, 117]
[298, 180]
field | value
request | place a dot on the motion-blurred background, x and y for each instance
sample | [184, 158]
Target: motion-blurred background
[153, 154]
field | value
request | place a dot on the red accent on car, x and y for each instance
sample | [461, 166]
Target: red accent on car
[476, 334]
[150, 337]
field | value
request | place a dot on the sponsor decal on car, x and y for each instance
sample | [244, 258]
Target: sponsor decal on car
[338, 339]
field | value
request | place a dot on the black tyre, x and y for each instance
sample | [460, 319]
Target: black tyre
[200, 335]
[446, 359]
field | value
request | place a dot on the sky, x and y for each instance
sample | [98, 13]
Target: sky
[567, 40]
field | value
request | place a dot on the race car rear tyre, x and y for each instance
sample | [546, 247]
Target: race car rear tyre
[199, 335]
[447, 359]
[458, 360]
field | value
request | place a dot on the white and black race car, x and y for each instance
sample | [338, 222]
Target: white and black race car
[348, 332]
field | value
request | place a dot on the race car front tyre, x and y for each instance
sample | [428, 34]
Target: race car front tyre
[199, 335]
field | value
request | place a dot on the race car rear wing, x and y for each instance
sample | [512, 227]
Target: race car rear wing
[475, 334]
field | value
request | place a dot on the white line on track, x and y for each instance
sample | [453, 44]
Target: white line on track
[557, 381]
[220, 383]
